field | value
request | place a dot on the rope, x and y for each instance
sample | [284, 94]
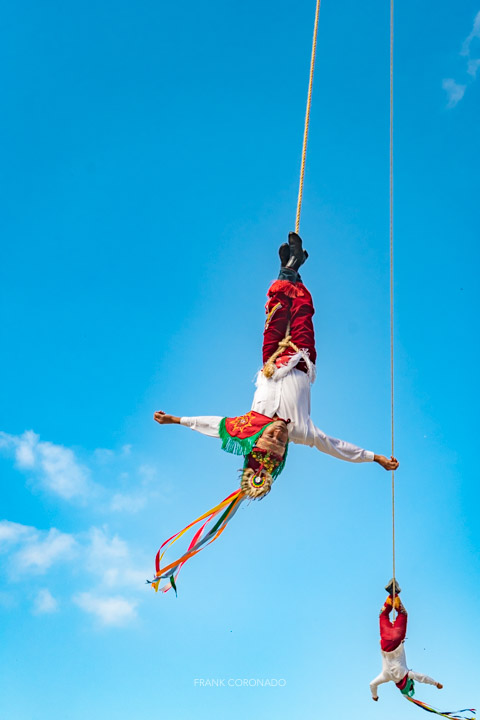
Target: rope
[307, 118]
[391, 293]
[269, 367]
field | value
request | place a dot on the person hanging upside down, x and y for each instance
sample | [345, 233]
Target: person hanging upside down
[394, 663]
[280, 413]
[281, 404]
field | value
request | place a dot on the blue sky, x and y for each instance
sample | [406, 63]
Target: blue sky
[150, 167]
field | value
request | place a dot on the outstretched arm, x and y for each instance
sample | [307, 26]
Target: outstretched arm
[379, 680]
[418, 677]
[163, 419]
[340, 449]
[207, 424]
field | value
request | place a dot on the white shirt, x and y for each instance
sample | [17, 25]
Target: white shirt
[287, 394]
[394, 668]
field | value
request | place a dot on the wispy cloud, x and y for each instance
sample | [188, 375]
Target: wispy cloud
[103, 552]
[475, 34]
[101, 559]
[110, 559]
[44, 550]
[108, 610]
[33, 550]
[45, 603]
[455, 91]
[55, 466]
[57, 470]
[472, 67]
[103, 573]
[11, 533]
[128, 503]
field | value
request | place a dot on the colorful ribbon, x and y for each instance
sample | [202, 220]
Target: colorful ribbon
[215, 523]
[452, 715]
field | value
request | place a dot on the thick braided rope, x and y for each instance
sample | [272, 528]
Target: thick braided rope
[391, 290]
[307, 118]
[269, 367]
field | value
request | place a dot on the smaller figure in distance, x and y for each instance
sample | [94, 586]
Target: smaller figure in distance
[392, 638]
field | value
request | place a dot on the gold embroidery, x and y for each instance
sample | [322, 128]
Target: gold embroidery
[271, 314]
[242, 423]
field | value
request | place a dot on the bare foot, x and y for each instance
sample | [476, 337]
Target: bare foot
[439, 686]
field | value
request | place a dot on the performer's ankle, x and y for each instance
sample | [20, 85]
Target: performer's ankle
[288, 274]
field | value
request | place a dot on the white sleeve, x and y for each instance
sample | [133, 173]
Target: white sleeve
[205, 424]
[382, 678]
[340, 449]
[418, 677]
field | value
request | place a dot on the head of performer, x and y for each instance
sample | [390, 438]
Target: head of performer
[406, 686]
[266, 459]
[274, 438]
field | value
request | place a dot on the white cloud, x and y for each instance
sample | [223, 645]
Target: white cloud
[110, 559]
[24, 449]
[454, 92]
[45, 603]
[5, 440]
[55, 465]
[109, 577]
[126, 577]
[41, 553]
[148, 473]
[61, 472]
[104, 456]
[106, 559]
[472, 67]
[103, 550]
[57, 469]
[114, 610]
[474, 34]
[128, 503]
[12, 532]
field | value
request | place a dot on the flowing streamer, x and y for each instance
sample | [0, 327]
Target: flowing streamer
[457, 715]
[215, 522]
[239, 436]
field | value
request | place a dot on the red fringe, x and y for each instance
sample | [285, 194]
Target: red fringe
[289, 289]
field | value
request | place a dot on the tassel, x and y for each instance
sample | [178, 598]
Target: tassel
[288, 288]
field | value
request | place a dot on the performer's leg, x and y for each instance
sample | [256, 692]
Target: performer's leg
[282, 294]
[301, 322]
[400, 622]
[385, 623]
[392, 634]
[278, 317]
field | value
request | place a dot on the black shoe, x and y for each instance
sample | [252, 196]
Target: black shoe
[389, 587]
[297, 253]
[284, 253]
